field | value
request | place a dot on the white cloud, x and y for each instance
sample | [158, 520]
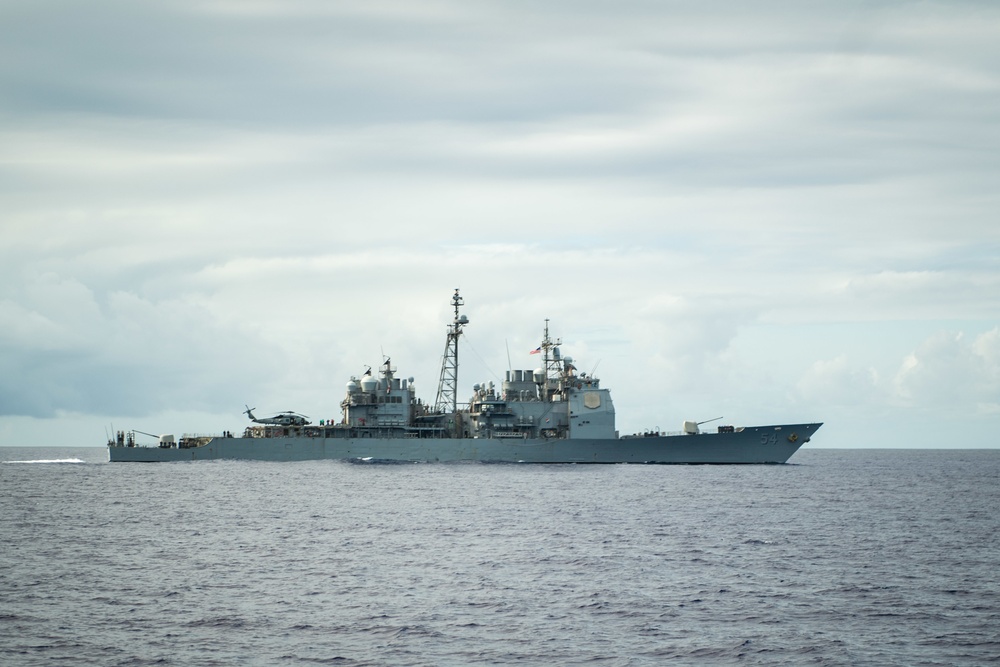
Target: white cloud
[835, 382]
[947, 372]
[64, 351]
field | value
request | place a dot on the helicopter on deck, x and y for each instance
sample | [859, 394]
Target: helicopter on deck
[281, 419]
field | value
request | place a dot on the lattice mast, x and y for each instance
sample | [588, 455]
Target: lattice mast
[447, 396]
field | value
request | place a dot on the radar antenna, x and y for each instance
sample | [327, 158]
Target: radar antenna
[553, 363]
[447, 396]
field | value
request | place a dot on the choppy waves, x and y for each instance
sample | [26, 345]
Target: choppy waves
[846, 558]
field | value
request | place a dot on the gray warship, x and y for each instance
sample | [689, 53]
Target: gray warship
[552, 414]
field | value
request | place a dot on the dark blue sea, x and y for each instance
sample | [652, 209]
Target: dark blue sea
[841, 557]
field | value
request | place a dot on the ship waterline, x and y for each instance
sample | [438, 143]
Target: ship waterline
[758, 444]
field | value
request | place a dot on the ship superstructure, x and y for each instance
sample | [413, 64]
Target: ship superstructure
[554, 401]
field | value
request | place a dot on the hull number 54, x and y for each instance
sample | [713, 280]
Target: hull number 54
[768, 439]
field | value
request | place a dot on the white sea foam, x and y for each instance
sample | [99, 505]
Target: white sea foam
[49, 461]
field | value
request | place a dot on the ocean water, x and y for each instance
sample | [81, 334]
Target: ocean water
[841, 557]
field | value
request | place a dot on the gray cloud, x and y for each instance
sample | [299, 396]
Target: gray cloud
[206, 203]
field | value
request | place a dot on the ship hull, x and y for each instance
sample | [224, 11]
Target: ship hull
[753, 444]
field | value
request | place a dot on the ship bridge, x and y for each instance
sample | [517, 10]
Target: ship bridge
[553, 401]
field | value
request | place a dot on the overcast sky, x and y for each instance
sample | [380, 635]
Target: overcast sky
[766, 211]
